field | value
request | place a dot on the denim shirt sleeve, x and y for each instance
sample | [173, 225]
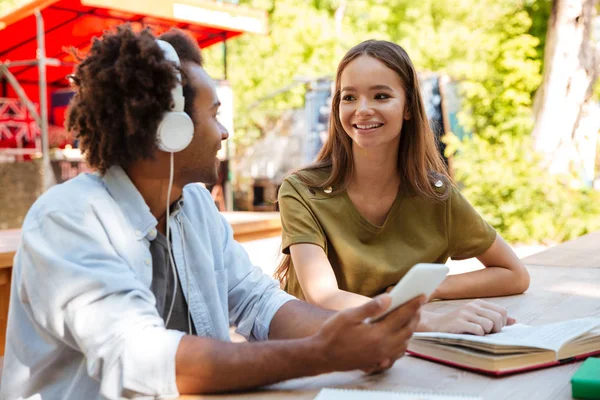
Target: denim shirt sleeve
[254, 298]
[82, 292]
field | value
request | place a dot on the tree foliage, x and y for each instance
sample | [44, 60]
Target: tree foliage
[506, 183]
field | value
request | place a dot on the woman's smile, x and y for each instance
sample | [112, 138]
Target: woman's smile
[367, 127]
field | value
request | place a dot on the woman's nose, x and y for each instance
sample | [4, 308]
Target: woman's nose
[364, 108]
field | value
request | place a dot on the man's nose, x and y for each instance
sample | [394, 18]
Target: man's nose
[224, 133]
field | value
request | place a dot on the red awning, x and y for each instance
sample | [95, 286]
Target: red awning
[73, 23]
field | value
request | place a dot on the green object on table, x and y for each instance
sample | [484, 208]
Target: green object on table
[585, 383]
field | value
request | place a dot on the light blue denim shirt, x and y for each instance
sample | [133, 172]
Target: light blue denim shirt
[82, 322]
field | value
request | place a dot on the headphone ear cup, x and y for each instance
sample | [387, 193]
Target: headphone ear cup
[175, 132]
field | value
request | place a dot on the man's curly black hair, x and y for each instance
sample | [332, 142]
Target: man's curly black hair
[122, 88]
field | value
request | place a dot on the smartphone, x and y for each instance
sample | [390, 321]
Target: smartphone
[420, 279]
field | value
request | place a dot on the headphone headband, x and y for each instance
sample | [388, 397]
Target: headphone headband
[177, 92]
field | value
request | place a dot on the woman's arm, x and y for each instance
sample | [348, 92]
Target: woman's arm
[504, 275]
[318, 281]
[320, 288]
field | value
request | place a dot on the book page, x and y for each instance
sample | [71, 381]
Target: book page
[551, 336]
[349, 394]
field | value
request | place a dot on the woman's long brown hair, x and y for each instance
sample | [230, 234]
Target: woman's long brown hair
[419, 161]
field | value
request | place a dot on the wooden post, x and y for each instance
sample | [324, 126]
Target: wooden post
[5, 277]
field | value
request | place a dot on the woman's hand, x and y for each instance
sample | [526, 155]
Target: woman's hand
[478, 317]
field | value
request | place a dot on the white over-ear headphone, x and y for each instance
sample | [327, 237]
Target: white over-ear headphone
[174, 134]
[176, 129]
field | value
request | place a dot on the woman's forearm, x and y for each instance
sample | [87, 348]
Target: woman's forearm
[339, 300]
[488, 282]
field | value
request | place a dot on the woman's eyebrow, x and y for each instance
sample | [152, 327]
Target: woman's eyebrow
[374, 87]
[380, 87]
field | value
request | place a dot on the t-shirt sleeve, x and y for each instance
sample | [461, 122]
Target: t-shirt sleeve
[469, 235]
[298, 221]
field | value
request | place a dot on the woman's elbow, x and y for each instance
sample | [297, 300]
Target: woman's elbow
[324, 298]
[318, 299]
[522, 280]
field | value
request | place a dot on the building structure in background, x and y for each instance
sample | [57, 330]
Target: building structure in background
[34, 61]
[35, 149]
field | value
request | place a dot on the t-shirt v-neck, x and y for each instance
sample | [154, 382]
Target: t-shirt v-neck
[364, 222]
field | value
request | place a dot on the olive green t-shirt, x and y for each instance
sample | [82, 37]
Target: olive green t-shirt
[366, 258]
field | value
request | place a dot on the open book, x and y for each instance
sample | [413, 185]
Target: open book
[517, 348]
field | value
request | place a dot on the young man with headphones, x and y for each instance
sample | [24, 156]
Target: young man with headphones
[127, 280]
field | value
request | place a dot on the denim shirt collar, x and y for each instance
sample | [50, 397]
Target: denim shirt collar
[130, 201]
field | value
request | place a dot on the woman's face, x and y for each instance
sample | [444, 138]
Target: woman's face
[372, 103]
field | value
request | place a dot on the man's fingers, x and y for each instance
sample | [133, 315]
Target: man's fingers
[403, 334]
[510, 321]
[399, 353]
[369, 370]
[371, 309]
[384, 364]
[380, 366]
[404, 314]
[415, 321]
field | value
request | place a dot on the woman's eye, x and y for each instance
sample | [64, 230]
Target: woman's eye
[381, 96]
[348, 98]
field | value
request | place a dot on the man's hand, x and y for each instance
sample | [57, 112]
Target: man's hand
[347, 342]
[478, 317]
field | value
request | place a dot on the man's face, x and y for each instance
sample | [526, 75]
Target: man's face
[198, 162]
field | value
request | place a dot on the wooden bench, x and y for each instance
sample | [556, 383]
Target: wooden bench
[249, 226]
[9, 241]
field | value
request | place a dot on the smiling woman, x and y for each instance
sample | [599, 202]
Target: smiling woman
[379, 200]
[372, 115]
